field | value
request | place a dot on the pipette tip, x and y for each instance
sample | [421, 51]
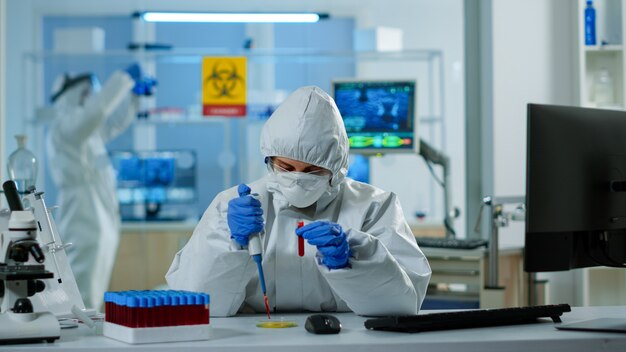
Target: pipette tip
[267, 306]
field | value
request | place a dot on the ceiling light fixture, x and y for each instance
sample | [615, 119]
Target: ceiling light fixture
[228, 17]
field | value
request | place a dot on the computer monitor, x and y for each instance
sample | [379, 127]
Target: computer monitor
[154, 178]
[380, 116]
[575, 188]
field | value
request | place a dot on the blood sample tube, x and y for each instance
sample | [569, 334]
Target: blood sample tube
[300, 241]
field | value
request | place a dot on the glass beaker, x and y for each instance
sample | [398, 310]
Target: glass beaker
[603, 89]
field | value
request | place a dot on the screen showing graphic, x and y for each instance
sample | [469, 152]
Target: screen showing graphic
[379, 115]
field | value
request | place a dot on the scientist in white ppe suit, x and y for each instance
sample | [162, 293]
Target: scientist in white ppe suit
[85, 118]
[360, 254]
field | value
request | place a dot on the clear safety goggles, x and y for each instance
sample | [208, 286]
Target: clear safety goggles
[275, 168]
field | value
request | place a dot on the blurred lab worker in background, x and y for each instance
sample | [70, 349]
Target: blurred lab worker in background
[86, 117]
[360, 253]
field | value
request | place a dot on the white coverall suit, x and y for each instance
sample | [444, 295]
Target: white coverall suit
[388, 273]
[82, 171]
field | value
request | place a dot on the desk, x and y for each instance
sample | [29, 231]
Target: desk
[240, 334]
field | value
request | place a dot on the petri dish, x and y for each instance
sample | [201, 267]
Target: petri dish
[276, 324]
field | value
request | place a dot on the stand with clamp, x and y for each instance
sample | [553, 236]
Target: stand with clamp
[498, 218]
[431, 155]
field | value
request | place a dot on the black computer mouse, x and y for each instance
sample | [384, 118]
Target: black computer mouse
[322, 324]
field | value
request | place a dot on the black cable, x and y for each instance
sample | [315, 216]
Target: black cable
[611, 262]
[605, 251]
[587, 245]
[432, 172]
[448, 227]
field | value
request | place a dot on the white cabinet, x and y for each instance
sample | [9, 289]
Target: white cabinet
[604, 286]
[460, 276]
[601, 66]
[601, 78]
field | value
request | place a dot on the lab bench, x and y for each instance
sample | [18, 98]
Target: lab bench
[240, 333]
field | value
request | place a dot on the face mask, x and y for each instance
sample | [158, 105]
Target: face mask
[301, 189]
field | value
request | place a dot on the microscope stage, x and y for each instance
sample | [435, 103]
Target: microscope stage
[24, 272]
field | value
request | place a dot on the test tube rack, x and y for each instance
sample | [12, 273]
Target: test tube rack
[153, 316]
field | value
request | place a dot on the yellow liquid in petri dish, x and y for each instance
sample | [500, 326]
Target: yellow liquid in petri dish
[276, 324]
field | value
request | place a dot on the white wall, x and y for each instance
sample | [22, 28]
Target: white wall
[21, 26]
[426, 25]
[532, 62]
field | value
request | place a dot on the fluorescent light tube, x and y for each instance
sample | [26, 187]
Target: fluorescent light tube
[231, 17]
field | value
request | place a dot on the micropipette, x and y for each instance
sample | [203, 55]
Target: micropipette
[254, 248]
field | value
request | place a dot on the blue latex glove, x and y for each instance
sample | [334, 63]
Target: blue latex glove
[330, 241]
[134, 71]
[143, 85]
[245, 216]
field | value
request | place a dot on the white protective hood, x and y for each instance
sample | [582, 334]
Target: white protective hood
[309, 120]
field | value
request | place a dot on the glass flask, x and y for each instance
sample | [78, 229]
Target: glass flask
[22, 165]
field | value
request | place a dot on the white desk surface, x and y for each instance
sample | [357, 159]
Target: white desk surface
[240, 334]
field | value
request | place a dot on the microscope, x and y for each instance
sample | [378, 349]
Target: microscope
[21, 274]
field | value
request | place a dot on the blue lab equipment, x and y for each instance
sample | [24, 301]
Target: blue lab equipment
[163, 181]
[590, 24]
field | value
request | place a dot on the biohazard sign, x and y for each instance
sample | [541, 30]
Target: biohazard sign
[224, 86]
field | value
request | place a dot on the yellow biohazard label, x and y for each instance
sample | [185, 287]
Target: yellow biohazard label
[224, 86]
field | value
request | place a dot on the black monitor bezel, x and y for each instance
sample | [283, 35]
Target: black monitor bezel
[593, 241]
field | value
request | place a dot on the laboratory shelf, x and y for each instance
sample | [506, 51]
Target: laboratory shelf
[604, 48]
[199, 119]
[196, 55]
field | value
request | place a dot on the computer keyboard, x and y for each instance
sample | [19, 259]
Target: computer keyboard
[468, 318]
[453, 243]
